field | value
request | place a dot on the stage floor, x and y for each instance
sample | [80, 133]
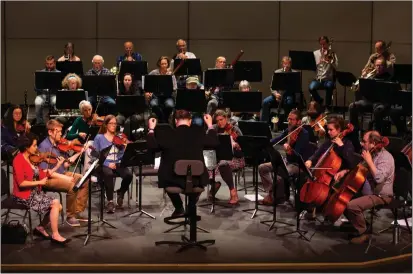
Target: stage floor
[239, 239]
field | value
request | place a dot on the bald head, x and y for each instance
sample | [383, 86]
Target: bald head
[97, 62]
[220, 62]
[128, 47]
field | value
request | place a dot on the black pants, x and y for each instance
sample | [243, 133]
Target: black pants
[109, 174]
[379, 112]
[177, 201]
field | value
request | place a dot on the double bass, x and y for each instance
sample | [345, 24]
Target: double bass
[352, 183]
[316, 189]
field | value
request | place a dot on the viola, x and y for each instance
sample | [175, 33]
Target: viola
[95, 120]
[120, 140]
[317, 188]
[318, 125]
[65, 145]
[352, 183]
[292, 139]
[47, 157]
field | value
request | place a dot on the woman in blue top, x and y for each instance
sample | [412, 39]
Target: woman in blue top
[111, 168]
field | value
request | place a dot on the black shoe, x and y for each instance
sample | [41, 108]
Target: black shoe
[60, 242]
[178, 212]
[38, 233]
[119, 199]
[110, 208]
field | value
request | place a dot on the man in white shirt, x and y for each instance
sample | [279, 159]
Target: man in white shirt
[182, 54]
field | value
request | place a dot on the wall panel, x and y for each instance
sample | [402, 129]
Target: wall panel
[3, 55]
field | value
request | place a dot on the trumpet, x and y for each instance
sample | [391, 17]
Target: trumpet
[371, 74]
[329, 56]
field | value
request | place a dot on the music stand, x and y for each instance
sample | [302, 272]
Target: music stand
[136, 68]
[98, 162]
[218, 77]
[190, 66]
[131, 104]
[240, 101]
[50, 81]
[403, 73]
[67, 67]
[160, 85]
[346, 79]
[248, 70]
[255, 128]
[223, 152]
[138, 154]
[69, 99]
[379, 91]
[303, 60]
[191, 100]
[301, 166]
[100, 85]
[285, 82]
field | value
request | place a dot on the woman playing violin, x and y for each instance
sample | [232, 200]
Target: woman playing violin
[28, 180]
[111, 168]
[297, 141]
[313, 118]
[61, 180]
[225, 168]
[13, 126]
[378, 187]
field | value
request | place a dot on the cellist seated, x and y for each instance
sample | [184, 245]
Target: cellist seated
[297, 141]
[378, 187]
[342, 147]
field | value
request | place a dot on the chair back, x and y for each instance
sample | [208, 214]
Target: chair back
[189, 168]
[402, 185]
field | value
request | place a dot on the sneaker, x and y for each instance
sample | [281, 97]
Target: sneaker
[119, 199]
[110, 208]
[178, 212]
[81, 218]
[72, 221]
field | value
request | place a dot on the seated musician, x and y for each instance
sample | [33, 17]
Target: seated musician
[129, 54]
[379, 108]
[224, 167]
[314, 114]
[28, 179]
[41, 98]
[288, 97]
[214, 96]
[343, 147]
[326, 62]
[71, 82]
[97, 70]
[381, 51]
[163, 109]
[378, 187]
[111, 168]
[243, 86]
[130, 121]
[299, 143]
[13, 125]
[69, 53]
[182, 143]
[61, 179]
[182, 53]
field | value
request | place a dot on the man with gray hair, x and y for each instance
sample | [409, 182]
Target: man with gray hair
[97, 70]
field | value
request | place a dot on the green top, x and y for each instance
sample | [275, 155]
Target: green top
[79, 125]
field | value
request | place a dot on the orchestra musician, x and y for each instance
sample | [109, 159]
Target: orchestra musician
[378, 187]
[381, 51]
[298, 141]
[71, 82]
[163, 109]
[327, 63]
[28, 179]
[13, 125]
[99, 69]
[61, 179]
[182, 53]
[41, 98]
[129, 54]
[69, 53]
[224, 167]
[243, 86]
[214, 94]
[314, 113]
[111, 168]
[182, 143]
[287, 97]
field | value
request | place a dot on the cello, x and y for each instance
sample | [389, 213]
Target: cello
[352, 183]
[317, 188]
[407, 152]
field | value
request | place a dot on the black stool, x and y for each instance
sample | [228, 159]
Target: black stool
[188, 168]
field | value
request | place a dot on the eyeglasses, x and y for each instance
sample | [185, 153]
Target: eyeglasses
[113, 123]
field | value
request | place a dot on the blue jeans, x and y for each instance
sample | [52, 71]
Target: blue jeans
[327, 85]
[39, 103]
[162, 111]
[270, 102]
[106, 101]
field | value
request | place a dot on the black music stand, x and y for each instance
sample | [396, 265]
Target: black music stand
[191, 100]
[286, 82]
[219, 78]
[48, 80]
[248, 70]
[240, 101]
[276, 159]
[69, 99]
[131, 104]
[303, 60]
[379, 91]
[67, 67]
[138, 154]
[98, 162]
[346, 79]
[190, 67]
[301, 166]
[403, 73]
[136, 68]
[223, 152]
[160, 85]
[255, 128]
[252, 146]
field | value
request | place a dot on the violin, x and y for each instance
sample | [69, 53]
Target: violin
[47, 157]
[292, 139]
[95, 120]
[120, 140]
[318, 125]
[23, 127]
[353, 182]
[65, 145]
[317, 188]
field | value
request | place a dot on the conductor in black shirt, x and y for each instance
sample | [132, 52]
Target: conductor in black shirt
[182, 143]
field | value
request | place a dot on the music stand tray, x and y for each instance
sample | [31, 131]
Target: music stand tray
[136, 68]
[248, 70]
[218, 77]
[69, 99]
[303, 60]
[67, 67]
[346, 79]
[379, 91]
[160, 85]
[51, 80]
[242, 101]
[190, 67]
[255, 128]
[131, 103]
[191, 100]
[290, 81]
[403, 73]
[101, 85]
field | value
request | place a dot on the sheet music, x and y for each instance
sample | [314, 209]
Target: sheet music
[91, 168]
[157, 162]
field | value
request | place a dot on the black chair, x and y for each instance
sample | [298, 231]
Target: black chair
[190, 169]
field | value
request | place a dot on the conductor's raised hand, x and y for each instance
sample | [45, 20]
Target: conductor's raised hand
[208, 120]
[152, 123]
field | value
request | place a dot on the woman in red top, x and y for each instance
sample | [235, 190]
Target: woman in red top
[27, 182]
